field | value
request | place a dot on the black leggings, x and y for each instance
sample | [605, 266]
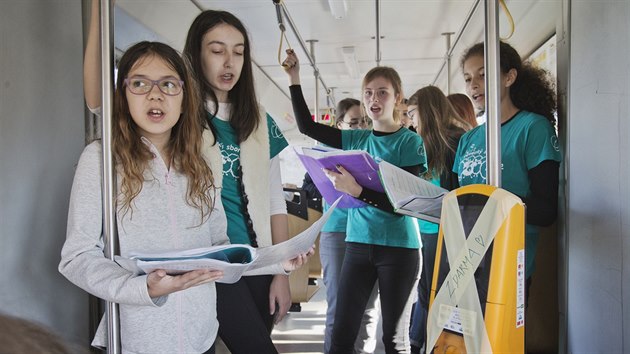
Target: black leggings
[243, 311]
[396, 270]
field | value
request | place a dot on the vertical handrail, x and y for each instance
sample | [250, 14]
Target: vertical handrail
[448, 61]
[492, 93]
[109, 186]
[378, 32]
[316, 75]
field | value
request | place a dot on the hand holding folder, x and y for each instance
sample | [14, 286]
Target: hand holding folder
[357, 162]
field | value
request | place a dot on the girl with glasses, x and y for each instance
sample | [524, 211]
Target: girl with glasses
[167, 199]
[380, 244]
[440, 127]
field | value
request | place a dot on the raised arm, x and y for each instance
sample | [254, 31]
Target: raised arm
[320, 132]
[92, 60]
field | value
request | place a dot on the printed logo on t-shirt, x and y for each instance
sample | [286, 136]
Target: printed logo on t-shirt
[554, 143]
[230, 156]
[275, 132]
[473, 165]
[421, 151]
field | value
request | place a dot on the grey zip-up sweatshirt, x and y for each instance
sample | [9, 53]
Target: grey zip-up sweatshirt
[161, 219]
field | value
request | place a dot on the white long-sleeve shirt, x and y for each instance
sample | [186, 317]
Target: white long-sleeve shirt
[161, 219]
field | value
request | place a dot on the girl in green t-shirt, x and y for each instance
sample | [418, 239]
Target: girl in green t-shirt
[530, 152]
[380, 244]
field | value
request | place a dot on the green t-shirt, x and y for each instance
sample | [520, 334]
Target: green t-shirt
[526, 140]
[427, 227]
[231, 193]
[337, 221]
[368, 224]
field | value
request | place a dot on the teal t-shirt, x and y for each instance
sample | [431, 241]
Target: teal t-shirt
[526, 140]
[368, 224]
[337, 221]
[231, 193]
[427, 227]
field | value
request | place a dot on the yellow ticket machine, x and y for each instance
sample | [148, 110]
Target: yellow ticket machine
[477, 302]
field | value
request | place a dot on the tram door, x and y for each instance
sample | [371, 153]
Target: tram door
[477, 301]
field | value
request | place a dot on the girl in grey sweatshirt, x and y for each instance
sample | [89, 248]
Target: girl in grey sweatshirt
[166, 200]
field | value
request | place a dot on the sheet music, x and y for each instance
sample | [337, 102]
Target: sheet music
[411, 195]
[294, 246]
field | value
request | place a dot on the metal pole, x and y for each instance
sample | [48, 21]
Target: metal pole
[316, 74]
[448, 61]
[378, 33]
[493, 98]
[109, 186]
[330, 99]
[471, 12]
[302, 44]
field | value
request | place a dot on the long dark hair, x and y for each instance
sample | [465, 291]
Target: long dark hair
[532, 91]
[244, 116]
[439, 126]
[132, 155]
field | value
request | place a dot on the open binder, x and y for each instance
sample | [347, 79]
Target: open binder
[409, 194]
[233, 260]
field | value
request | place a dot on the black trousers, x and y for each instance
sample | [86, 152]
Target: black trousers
[243, 311]
[396, 270]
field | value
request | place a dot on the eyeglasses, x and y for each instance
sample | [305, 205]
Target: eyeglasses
[354, 123]
[141, 86]
[410, 112]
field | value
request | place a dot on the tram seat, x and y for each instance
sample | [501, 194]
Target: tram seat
[499, 278]
[302, 213]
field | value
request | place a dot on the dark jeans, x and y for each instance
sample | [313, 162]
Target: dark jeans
[396, 270]
[243, 312]
[418, 330]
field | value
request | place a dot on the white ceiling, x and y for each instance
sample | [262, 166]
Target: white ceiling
[411, 31]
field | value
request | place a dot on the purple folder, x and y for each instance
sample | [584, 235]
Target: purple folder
[359, 163]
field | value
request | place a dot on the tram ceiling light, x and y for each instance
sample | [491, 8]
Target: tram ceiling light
[350, 59]
[338, 8]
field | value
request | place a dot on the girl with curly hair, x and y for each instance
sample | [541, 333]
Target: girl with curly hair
[530, 153]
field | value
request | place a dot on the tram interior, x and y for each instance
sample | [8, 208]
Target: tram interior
[579, 292]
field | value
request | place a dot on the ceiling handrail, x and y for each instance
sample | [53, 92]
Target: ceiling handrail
[284, 92]
[449, 53]
[303, 45]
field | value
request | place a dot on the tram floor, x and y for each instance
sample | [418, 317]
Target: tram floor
[303, 332]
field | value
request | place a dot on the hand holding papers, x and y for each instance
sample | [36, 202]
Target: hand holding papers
[411, 195]
[233, 260]
[358, 163]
